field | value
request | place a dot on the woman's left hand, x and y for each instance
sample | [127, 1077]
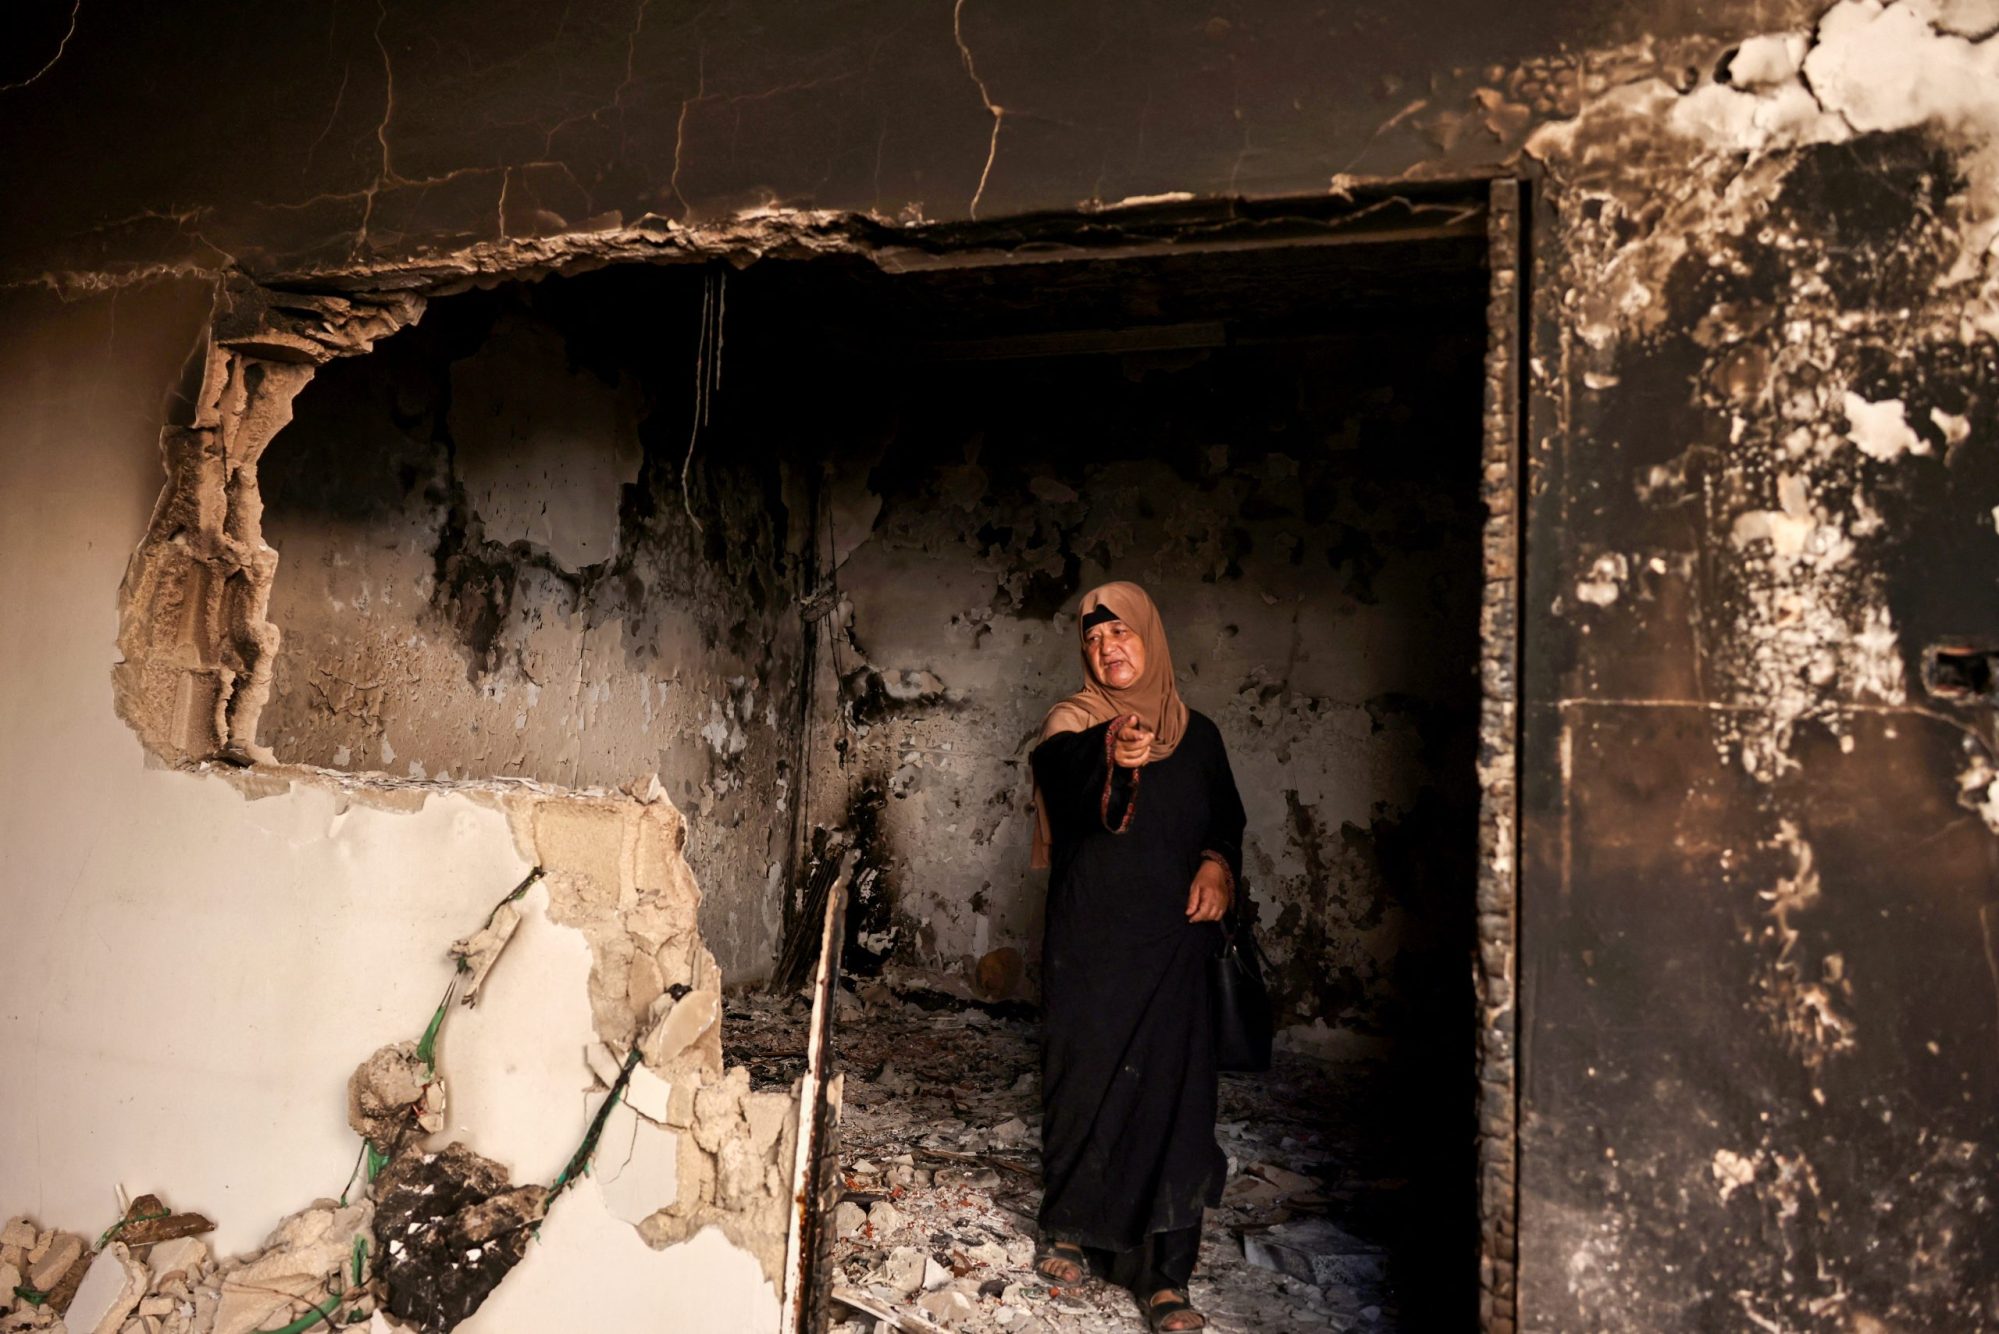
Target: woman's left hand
[1208, 898]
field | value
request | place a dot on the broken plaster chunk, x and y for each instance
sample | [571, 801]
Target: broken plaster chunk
[603, 1063]
[268, 1288]
[478, 952]
[391, 1092]
[681, 1027]
[680, 1102]
[46, 1270]
[182, 1255]
[18, 1232]
[767, 1114]
[718, 1109]
[110, 1291]
[648, 1095]
[948, 1307]
[848, 1218]
[694, 1178]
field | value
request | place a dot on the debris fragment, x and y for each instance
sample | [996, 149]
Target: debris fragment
[477, 953]
[307, 1262]
[450, 1225]
[392, 1092]
[110, 1291]
[148, 1220]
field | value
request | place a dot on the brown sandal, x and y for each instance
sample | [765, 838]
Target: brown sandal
[1061, 1253]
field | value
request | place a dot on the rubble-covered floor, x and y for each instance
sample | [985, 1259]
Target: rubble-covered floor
[939, 1146]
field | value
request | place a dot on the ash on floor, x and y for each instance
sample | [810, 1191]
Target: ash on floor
[940, 1154]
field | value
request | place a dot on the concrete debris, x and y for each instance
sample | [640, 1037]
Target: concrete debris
[939, 1145]
[111, 1291]
[52, 1258]
[1318, 1252]
[183, 1256]
[148, 1222]
[450, 1226]
[308, 1263]
[393, 1092]
[143, 1286]
[678, 1025]
[478, 952]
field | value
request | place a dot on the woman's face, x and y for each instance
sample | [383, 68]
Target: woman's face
[1116, 655]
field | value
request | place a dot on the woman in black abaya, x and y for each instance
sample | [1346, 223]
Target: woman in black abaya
[1140, 825]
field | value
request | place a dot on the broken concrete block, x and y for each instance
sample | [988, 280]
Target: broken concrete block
[388, 1095]
[683, 1025]
[450, 1226]
[935, 1275]
[110, 1291]
[885, 1216]
[848, 1218]
[50, 1260]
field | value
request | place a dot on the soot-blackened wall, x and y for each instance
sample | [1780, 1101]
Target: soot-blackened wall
[488, 568]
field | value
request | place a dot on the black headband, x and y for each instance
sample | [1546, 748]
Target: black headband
[1097, 615]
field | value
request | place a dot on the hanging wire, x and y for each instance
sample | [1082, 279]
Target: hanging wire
[707, 376]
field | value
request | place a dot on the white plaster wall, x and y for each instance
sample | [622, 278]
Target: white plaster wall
[187, 976]
[190, 976]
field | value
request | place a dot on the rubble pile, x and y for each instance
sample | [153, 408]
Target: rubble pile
[144, 1275]
[939, 1143]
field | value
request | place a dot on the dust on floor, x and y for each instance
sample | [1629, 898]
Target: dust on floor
[939, 1144]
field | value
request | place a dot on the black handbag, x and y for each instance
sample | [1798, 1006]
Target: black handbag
[1242, 1001]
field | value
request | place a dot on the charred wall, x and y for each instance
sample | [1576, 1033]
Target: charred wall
[1759, 1011]
[488, 567]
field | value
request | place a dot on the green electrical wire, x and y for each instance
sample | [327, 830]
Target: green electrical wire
[360, 1258]
[124, 1223]
[426, 1050]
[309, 1319]
[581, 1158]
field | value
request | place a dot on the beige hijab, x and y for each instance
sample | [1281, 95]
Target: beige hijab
[1154, 696]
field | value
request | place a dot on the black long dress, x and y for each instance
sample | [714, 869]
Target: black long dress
[1128, 1060]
